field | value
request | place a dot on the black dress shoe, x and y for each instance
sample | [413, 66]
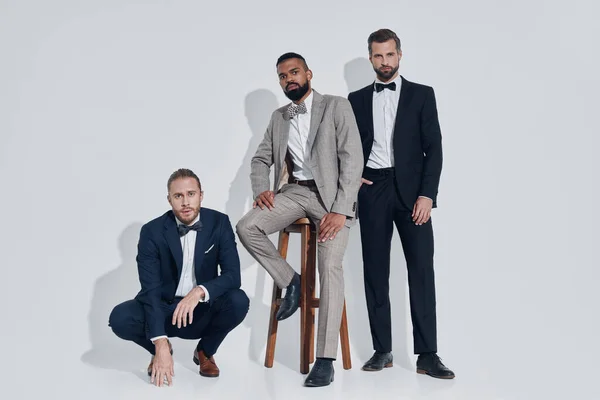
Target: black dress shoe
[321, 373]
[291, 300]
[431, 364]
[379, 361]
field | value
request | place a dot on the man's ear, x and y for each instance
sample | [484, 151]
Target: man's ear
[309, 74]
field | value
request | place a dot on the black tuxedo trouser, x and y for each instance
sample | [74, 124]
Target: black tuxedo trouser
[211, 322]
[379, 208]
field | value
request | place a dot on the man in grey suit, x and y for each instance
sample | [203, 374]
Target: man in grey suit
[315, 146]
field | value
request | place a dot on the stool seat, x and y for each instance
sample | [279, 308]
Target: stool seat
[302, 221]
[308, 301]
[298, 225]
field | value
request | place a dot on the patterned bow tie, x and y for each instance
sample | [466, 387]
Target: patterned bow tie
[380, 86]
[295, 109]
[184, 229]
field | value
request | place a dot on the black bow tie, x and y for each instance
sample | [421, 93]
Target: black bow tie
[380, 86]
[184, 229]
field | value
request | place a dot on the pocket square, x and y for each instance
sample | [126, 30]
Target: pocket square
[209, 249]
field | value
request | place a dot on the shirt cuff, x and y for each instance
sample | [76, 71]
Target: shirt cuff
[158, 337]
[426, 197]
[206, 295]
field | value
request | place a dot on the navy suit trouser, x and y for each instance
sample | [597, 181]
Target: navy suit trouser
[211, 323]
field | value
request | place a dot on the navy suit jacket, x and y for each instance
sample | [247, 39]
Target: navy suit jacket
[160, 261]
[417, 139]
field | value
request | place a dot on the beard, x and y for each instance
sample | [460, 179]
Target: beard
[298, 93]
[384, 76]
[186, 219]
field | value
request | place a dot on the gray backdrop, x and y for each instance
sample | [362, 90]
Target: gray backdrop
[101, 100]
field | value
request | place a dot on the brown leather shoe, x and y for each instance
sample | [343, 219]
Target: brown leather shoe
[152, 359]
[208, 367]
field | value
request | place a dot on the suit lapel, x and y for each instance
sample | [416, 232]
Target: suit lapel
[174, 242]
[368, 104]
[316, 114]
[282, 137]
[201, 236]
[405, 98]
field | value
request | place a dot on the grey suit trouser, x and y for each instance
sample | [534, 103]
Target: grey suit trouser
[291, 203]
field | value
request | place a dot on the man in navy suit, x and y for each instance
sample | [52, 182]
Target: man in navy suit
[182, 294]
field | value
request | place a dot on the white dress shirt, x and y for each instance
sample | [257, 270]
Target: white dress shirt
[298, 142]
[385, 107]
[188, 277]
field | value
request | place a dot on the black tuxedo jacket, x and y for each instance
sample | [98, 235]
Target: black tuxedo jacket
[417, 139]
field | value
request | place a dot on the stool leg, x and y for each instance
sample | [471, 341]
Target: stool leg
[345, 341]
[312, 268]
[276, 298]
[272, 334]
[312, 335]
[304, 303]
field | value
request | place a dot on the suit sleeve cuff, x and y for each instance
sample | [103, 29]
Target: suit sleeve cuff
[158, 337]
[206, 295]
[261, 190]
[344, 211]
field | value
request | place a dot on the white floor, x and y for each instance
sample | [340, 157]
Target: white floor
[503, 342]
[117, 371]
[120, 373]
[486, 367]
[243, 379]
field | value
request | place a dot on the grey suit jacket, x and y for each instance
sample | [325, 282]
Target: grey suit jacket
[336, 156]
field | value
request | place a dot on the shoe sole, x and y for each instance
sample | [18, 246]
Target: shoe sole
[313, 385]
[388, 365]
[284, 317]
[423, 372]
[197, 362]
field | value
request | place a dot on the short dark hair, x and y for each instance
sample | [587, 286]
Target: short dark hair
[183, 173]
[288, 56]
[382, 36]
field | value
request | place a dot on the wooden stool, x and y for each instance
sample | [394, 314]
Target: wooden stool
[308, 302]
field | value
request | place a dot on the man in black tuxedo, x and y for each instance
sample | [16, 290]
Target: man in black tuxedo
[402, 148]
[182, 293]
